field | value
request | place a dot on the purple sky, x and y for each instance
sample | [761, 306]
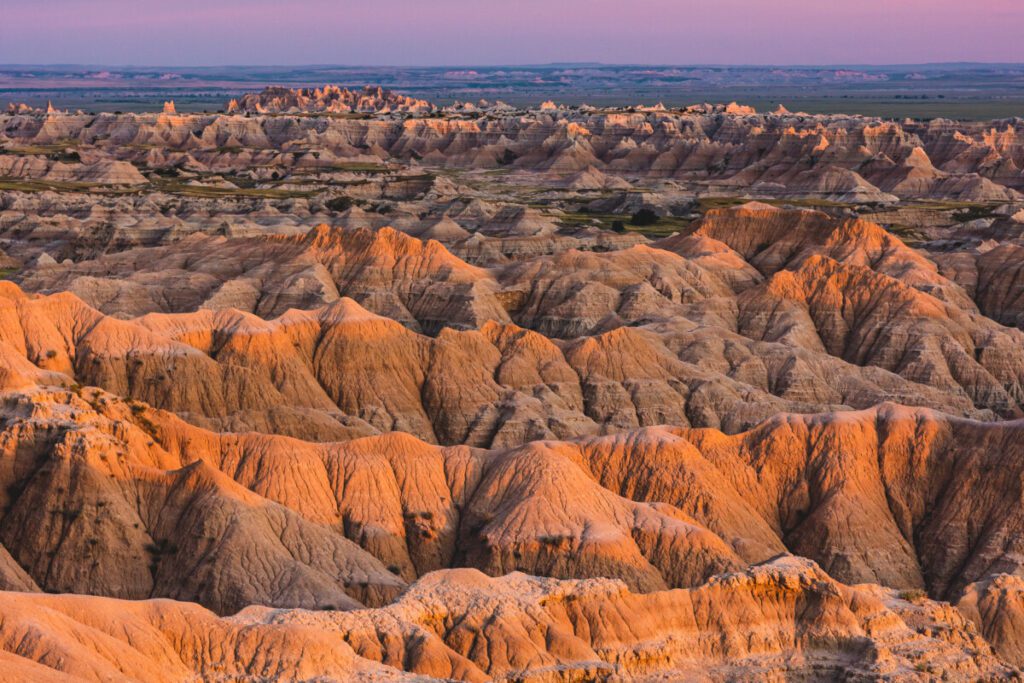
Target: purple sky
[451, 32]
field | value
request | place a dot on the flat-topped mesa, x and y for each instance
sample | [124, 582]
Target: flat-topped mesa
[328, 99]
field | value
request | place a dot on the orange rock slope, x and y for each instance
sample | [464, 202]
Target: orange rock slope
[775, 446]
[784, 619]
[112, 499]
[754, 311]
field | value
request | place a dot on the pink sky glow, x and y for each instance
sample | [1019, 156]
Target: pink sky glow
[454, 32]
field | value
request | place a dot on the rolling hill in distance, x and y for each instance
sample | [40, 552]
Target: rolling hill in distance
[955, 90]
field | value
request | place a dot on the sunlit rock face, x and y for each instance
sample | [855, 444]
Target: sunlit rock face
[461, 625]
[339, 385]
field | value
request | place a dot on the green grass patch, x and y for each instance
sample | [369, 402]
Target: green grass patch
[948, 205]
[54, 148]
[360, 167]
[708, 203]
[179, 188]
[23, 185]
[665, 226]
[972, 213]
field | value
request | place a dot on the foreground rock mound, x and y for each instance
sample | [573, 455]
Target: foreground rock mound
[786, 618]
[161, 508]
[54, 638]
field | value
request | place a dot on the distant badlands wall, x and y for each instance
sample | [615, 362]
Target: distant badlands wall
[329, 99]
[732, 149]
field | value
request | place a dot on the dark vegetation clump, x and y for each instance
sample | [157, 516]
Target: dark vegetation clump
[644, 217]
[339, 204]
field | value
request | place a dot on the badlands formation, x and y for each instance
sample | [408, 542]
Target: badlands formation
[343, 385]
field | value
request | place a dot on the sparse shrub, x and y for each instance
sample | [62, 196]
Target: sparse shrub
[70, 514]
[67, 156]
[555, 539]
[160, 547]
[339, 204]
[971, 213]
[14, 489]
[644, 217]
[507, 158]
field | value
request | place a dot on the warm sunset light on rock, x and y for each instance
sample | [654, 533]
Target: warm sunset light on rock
[450, 341]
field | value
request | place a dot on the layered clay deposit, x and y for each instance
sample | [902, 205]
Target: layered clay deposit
[731, 150]
[341, 385]
[757, 310]
[787, 618]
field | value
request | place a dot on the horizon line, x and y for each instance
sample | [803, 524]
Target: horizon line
[321, 65]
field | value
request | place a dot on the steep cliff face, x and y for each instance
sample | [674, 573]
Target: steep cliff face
[996, 606]
[342, 372]
[772, 239]
[419, 283]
